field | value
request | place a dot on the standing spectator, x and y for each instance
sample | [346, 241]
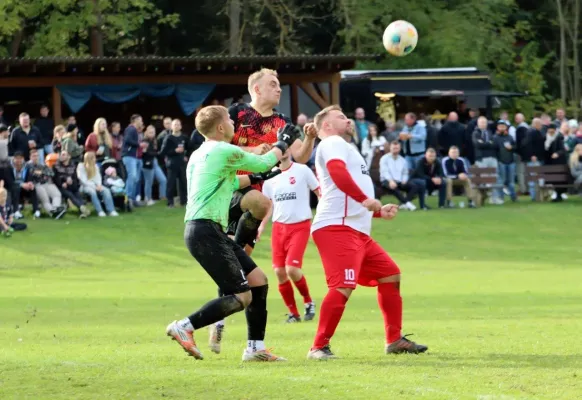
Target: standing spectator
[505, 147]
[390, 132]
[428, 176]
[532, 150]
[25, 138]
[485, 147]
[568, 130]
[19, 183]
[58, 134]
[68, 183]
[451, 134]
[79, 134]
[469, 129]
[3, 144]
[173, 149]
[196, 140]
[151, 168]
[520, 134]
[117, 140]
[575, 165]
[100, 142]
[46, 191]
[70, 145]
[361, 124]
[560, 116]
[546, 121]
[131, 146]
[555, 154]
[457, 173]
[413, 139]
[372, 144]
[394, 177]
[301, 121]
[504, 116]
[161, 137]
[46, 127]
[92, 184]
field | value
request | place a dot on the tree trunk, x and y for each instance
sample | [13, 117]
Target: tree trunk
[234, 14]
[16, 42]
[563, 53]
[576, 60]
[96, 33]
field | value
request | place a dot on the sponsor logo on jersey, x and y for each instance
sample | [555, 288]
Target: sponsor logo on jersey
[286, 196]
[292, 180]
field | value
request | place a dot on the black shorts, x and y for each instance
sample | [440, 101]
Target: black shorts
[225, 261]
[236, 211]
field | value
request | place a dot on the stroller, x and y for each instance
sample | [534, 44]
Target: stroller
[121, 201]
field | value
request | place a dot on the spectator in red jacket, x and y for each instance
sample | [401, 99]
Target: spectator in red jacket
[100, 142]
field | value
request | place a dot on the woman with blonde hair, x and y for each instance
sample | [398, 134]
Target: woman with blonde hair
[575, 164]
[58, 134]
[100, 141]
[92, 184]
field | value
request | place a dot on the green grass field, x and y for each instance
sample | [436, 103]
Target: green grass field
[495, 292]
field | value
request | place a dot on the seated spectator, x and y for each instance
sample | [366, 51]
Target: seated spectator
[457, 174]
[17, 180]
[92, 184]
[505, 148]
[576, 167]
[484, 146]
[58, 134]
[113, 182]
[372, 144]
[394, 177]
[428, 176]
[66, 180]
[70, 145]
[117, 139]
[7, 224]
[100, 142]
[46, 191]
[151, 167]
[555, 154]
[3, 144]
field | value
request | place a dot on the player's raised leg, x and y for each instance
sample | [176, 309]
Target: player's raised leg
[379, 269]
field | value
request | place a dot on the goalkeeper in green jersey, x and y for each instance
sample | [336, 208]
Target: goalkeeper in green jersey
[211, 177]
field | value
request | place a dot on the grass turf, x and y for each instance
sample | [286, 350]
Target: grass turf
[494, 292]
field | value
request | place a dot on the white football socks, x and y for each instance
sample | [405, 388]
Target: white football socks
[255, 345]
[186, 324]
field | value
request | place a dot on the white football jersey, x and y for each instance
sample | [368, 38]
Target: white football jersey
[289, 192]
[335, 207]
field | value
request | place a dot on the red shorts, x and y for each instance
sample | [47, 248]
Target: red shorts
[352, 258]
[288, 242]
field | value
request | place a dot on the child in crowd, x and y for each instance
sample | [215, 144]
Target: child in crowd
[113, 182]
[7, 224]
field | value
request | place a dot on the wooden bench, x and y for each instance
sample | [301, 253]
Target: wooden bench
[484, 180]
[546, 178]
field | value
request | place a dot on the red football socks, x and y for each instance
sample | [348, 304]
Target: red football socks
[390, 303]
[286, 290]
[301, 285]
[330, 314]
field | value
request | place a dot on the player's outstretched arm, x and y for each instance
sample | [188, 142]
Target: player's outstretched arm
[302, 150]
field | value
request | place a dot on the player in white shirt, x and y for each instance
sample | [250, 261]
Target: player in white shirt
[289, 193]
[341, 231]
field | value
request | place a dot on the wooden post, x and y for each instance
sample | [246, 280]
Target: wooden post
[294, 102]
[334, 85]
[57, 103]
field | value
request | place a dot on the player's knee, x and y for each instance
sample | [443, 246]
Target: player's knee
[345, 291]
[245, 298]
[257, 278]
[391, 278]
[294, 273]
[281, 275]
[257, 203]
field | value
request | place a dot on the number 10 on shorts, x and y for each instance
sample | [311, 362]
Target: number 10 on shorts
[349, 275]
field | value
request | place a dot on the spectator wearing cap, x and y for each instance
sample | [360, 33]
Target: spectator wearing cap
[25, 138]
[46, 128]
[505, 150]
[485, 147]
[70, 145]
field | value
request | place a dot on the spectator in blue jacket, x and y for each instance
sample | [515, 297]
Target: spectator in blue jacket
[413, 140]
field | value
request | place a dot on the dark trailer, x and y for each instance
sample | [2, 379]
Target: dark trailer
[420, 90]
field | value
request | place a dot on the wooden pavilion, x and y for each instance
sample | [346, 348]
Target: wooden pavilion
[309, 72]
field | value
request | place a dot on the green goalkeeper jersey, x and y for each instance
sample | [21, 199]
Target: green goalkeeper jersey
[211, 174]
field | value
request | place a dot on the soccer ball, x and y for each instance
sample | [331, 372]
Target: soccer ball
[400, 38]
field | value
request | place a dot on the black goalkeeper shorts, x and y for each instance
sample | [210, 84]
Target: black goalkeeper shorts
[236, 212]
[225, 261]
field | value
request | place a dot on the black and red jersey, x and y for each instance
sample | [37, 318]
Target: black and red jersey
[251, 129]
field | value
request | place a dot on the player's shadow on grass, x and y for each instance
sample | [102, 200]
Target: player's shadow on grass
[494, 361]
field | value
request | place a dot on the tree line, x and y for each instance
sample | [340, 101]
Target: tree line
[527, 46]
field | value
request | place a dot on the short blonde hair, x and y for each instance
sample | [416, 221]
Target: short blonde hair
[208, 117]
[59, 128]
[257, 76]
[320, 116]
